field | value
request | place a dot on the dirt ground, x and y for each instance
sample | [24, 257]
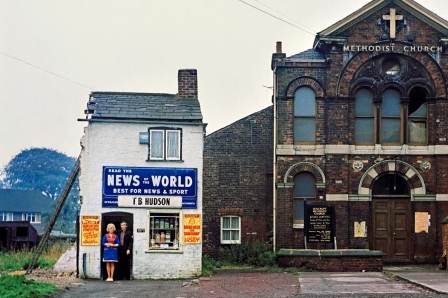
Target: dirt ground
[61, 280]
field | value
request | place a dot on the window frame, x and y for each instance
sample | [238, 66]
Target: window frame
[165, 144]
[36, 216]
[165, 213]
[311, 118]
[4, 216]
[402, 117]
[222, 229]
[300, 223]
[372, 117]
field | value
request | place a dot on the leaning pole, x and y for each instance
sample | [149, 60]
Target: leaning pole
[54, 216]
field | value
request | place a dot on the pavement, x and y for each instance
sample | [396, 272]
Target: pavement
[395, 281]
[400, 281]
[425, 276]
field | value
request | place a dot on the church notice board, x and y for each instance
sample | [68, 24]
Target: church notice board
[319, 223]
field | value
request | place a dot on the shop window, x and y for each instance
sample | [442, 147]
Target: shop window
[364, 117]
[304, 193]
[164, 144]
[304, 116]
[230, 229]
[164, 231]
[6, 216]
[31, 217]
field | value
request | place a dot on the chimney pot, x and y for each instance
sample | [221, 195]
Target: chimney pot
[279, 47]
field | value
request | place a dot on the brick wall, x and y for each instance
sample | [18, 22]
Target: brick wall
[238, 179]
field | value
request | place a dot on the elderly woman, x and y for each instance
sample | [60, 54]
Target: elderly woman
[110, 256]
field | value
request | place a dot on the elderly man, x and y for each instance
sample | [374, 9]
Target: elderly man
[124, 252]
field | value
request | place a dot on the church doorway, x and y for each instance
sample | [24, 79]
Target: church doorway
[391, 213]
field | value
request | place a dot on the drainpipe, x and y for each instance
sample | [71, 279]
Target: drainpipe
[274, 172]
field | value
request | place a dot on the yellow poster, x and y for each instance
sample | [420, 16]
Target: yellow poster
[421, 222]
[360, 229]
[192, 228]
[90, 230]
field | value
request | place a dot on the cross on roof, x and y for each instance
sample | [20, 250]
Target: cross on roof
[392, 18]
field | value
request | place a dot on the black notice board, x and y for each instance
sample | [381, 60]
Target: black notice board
[319, 223]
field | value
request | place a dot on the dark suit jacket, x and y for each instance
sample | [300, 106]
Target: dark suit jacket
[128, 240]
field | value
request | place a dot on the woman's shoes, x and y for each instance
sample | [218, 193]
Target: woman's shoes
[109, 279]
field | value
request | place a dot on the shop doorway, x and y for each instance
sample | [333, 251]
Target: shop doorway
[116, 218]
[391, 213]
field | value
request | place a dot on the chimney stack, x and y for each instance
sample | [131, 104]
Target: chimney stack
[187, 82]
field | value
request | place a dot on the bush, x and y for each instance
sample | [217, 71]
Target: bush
[208, 265]
[257, 253]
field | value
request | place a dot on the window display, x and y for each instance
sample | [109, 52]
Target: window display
[164, 231]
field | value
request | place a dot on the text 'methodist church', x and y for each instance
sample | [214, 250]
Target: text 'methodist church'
[353, 153]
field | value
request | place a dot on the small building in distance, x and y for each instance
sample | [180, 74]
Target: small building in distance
[21, 213]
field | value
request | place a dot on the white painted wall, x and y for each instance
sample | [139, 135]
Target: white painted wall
[117, 144]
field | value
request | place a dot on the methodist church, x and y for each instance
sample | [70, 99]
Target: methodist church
[353, 153]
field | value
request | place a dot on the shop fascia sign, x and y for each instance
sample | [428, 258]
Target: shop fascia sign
[392, 17]
[149, 187]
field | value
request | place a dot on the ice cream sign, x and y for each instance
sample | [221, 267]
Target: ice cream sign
[149, 187]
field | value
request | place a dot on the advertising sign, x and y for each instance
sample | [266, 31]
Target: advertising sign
[90, 230]
[192, 228]
[149, 187]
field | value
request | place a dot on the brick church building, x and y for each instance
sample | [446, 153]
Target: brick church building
[357, 128]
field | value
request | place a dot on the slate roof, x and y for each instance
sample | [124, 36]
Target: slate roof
[306, 56]
[20, 200]
[143, 106]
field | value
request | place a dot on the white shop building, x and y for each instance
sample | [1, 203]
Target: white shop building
[141, 162]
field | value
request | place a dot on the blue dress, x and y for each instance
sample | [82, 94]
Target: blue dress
[110, 253]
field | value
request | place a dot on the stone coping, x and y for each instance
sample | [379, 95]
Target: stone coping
[329, 253]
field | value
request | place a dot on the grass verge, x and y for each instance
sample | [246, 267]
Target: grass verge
[17, 286]
[18, 259]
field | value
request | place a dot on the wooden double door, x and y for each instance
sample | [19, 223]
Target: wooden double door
[391, 228]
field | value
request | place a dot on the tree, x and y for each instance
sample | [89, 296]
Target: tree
[45, 170]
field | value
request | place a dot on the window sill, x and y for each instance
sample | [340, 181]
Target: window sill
[298, 226]
[164, 160]
[164, 251]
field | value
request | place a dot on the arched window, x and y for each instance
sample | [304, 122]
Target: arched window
[304, 192]
[364, 117]
[304, 116]
[417, 117]
[390, 118]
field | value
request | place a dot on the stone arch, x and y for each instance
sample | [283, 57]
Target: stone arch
[408, 172]
[420, 60]
[304, 167]
[304, 81]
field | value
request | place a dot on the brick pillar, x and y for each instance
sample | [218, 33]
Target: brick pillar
[187, 82]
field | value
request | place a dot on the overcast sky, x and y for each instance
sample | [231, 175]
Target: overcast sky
[54, 53]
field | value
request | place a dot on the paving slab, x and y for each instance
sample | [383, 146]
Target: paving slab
[352, 283]
[428, 277]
